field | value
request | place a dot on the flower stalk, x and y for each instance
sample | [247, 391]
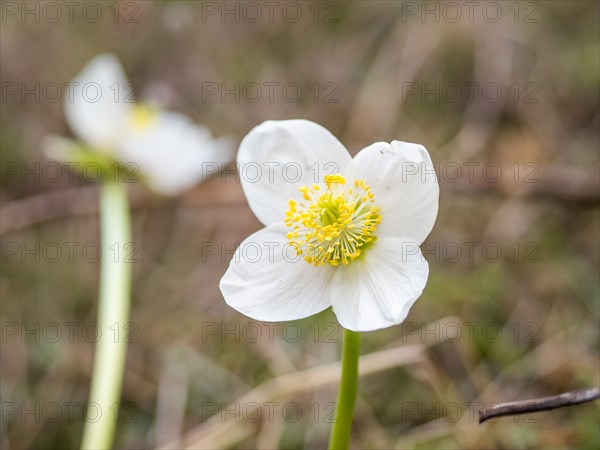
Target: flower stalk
[342, 426]
[113, 313]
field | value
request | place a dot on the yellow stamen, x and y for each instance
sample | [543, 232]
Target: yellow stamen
[336, 225]
[142, 116]
[334, 179]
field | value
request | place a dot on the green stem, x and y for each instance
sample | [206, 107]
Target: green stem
[113, 314]
[342, 427]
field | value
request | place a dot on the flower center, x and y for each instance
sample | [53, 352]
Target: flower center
[142, 116]
[335, 225]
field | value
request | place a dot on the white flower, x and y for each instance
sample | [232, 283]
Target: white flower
[356, 224]
[170, 151]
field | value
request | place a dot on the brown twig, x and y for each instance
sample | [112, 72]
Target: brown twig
[83, 200]
[539, 404]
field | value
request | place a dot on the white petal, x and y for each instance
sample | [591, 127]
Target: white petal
[74, 152]
[404, 184]
[98, 107]
[278, 157]
[60, 149]
[172, 153]
[377, 291]
[267, 281]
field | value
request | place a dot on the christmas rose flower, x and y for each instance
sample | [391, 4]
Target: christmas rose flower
[168, 151]
[347, 238]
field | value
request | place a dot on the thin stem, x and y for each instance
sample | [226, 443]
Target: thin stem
[113, 314]
[342, 427]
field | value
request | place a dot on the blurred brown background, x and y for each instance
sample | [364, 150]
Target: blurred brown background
[505, 95]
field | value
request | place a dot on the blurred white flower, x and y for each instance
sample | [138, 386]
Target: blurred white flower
[354, 234]
[171, 152]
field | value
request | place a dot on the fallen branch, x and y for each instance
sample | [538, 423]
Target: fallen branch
[539, 404]
[572, 186]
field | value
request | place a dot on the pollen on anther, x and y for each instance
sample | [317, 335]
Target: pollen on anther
[336, 225]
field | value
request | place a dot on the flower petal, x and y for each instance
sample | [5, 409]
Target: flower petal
[267, 281]
[173, 153]
[61, 149]
[377, 291]
[77, 154]
[97, 107]
[278, 157]
[404, 184]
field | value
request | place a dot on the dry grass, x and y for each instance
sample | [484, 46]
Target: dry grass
[545, 300]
